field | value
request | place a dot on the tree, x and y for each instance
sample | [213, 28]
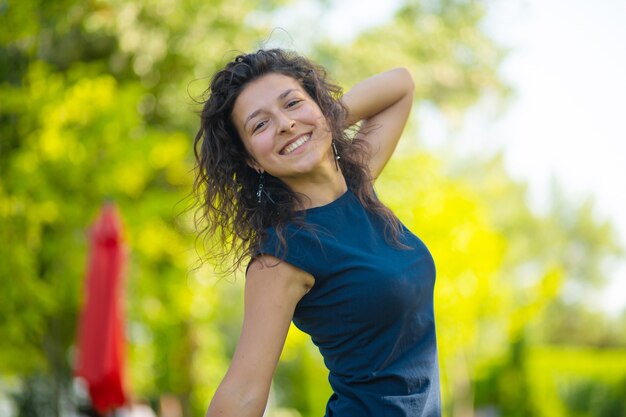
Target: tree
[96, 108]
[98, 102]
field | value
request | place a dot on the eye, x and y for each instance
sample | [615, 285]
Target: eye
[259, 125]
[292, 103]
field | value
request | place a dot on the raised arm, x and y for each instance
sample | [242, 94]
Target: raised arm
[383, 102]
[271, 294]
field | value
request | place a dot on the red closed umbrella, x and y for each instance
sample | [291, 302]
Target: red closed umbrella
[101, 333]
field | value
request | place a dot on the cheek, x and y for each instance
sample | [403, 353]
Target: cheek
[261, 145]
[322, 123]
[314, 116]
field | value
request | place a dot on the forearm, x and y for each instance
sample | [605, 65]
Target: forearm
[230, 401]
[378, 93]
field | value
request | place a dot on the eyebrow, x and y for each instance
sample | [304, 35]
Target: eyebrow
[256, 112]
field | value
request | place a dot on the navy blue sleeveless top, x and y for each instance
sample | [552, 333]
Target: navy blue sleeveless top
[370, 312]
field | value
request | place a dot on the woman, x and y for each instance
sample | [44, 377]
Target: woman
[282, 183]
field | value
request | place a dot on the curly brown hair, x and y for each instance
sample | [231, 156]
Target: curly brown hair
[229, 215]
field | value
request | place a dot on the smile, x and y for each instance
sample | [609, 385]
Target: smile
[296, 144]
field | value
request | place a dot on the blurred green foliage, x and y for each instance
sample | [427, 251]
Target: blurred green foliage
[98, 102]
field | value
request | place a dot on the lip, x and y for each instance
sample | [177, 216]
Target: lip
[282, 150]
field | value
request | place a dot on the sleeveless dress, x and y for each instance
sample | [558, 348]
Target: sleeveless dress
[370, 311]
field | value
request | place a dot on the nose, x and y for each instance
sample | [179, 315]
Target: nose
[285, 123]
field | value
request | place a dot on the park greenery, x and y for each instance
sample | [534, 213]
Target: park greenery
[99, 101]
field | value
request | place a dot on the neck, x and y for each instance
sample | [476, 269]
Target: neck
[320, 189]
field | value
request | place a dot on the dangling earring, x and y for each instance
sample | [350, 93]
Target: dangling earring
[259, 190]
[336, 155]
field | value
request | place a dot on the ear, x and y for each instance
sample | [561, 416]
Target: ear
[252, 163]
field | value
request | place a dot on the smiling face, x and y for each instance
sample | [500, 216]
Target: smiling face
[282, 128]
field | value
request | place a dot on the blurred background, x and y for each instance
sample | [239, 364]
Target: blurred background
[511, 170]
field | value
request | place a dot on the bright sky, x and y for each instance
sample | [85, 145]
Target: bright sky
[567, 122]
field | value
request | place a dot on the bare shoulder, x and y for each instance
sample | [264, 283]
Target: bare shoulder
[269, 270]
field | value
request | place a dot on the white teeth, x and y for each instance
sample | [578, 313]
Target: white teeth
[295, 145]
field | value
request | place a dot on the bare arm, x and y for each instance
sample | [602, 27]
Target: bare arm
[271, 294]
[383, 102]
